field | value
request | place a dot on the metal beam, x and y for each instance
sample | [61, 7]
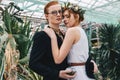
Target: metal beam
[109, 3]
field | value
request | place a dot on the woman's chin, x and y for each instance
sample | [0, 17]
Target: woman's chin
[68, 26]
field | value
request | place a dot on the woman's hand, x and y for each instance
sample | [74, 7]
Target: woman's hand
[50, 32]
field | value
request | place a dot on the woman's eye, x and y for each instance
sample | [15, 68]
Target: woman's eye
[67, 16]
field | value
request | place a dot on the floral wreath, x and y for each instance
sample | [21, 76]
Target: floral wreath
[75, 8]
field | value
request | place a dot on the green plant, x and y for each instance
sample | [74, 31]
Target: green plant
[1, 31]
[18, 42]
[109, 52]
[2, 68]
[27, 74]
[10, 17]
[23, 39]
[11, 20]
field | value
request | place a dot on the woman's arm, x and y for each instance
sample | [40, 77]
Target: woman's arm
[60, 54]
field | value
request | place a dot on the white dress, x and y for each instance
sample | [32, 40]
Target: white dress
[79, 54]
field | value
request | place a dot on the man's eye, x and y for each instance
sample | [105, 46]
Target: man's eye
[54, 12]
[60, 11]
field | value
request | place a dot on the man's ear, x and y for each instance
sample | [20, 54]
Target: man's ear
[46, 15]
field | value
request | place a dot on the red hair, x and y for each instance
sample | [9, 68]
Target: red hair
[48, 5]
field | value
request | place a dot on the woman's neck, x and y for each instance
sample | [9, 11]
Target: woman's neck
[76, 25]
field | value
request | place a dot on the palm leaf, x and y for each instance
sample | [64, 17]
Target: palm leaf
[1, 31]
[2, 68]
[109, 52]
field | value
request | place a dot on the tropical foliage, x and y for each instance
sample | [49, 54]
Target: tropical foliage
[16, 46]
[109, 52]
[15, 43]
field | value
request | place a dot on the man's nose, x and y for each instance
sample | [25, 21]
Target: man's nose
[58, 13]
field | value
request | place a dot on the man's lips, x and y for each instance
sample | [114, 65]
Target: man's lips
[58, 19]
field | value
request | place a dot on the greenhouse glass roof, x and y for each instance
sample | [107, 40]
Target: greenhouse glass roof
[101, 11]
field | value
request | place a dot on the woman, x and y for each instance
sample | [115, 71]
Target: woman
[75, 42]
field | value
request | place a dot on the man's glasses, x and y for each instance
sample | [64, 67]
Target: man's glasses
[56, 12]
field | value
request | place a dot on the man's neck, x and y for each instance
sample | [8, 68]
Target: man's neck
[56, 27]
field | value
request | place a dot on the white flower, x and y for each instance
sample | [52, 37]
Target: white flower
[70, 6]
[76, 8]
[63, 5]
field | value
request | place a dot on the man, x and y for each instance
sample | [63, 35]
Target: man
[41, 59]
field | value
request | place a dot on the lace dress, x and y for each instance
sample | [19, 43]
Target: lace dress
[79, 54]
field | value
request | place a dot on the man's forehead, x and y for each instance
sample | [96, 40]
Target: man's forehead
[55, 6]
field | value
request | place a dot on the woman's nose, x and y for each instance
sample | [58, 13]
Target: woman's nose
[65, 19]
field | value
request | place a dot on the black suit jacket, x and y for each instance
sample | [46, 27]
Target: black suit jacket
[41, 59]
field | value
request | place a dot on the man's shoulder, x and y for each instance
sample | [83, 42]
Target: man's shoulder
[40, 34]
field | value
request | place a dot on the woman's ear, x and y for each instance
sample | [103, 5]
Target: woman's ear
[77, 18]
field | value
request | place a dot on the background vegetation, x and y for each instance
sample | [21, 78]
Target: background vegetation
[16, 40]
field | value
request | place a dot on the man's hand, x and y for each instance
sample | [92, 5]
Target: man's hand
[64, 74]
[95, 67]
